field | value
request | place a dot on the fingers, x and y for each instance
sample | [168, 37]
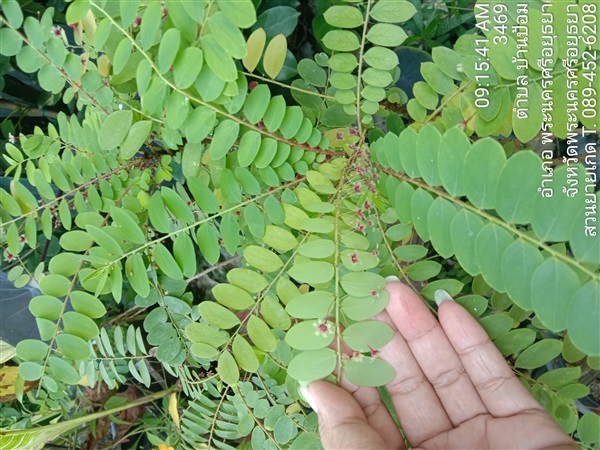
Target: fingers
[419, 409]
[434, 354]
[376, 413]
[498, 387]
[369, 400]
[342, 422]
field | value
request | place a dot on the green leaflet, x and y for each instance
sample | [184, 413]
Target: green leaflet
[114, 129]
[177, 205]
[183, 251]
[420, 203]
[381, 58]
[514, 341]
[218, 315]
[279, 238]
[440, 217]
[275, 54]
[248, 148]
[318, 248]
[72, 347]
[242, 14]
[257, 103]
[166, 262]
[386, 35]
[225, 135]
[423, 270]
[551, 298]
[274, 314]
[187, 66]
[496, 325]
[79, 325]
[127, 225]
[363, 284]
[365, 307]
[85, 304]
[31, 350]
[539, 354]
[519, 262]
[46, 307]
[262, 259]
[228, 369]
[312, 305]
[208, 242]
[230, 189]
[581, 323]
[204, 197]
[228, 35]
[150, 25]
[515, 204]
[199, 124]
[260, 333]
[343, 41]
[158, 215]
[122, 55]
[232, 296]
[199, 332]
[136, 137]
[244, 354]
[135, 269]
[312, 365]
[368, 335]
[484, 163]
[465, 227]
[55, 285]
[307, 336]
[230, 232]
[344, 17]
[313, 273]
[367, 371]
[490, 244]
[393, 11]
[246, 279]
[201, 350]
[312, 73]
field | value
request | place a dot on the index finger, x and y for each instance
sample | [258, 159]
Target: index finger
[501, 391]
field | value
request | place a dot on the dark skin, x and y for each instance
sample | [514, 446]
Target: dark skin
[453, 390]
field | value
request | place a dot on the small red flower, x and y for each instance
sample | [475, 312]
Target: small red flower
[323, 328]
[252, 85]
[354, 258]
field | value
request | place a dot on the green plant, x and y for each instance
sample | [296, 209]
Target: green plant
[176, 154]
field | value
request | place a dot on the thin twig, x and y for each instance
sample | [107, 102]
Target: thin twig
[213, 268]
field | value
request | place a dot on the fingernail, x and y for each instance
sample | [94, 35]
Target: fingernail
[441, 296]
[392, 278]
[305, 391]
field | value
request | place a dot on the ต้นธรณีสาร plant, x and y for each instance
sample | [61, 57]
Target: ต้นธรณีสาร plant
[177, 149]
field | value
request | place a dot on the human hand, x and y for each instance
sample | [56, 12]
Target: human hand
[452, 390]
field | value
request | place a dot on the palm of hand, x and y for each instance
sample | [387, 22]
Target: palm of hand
[452, 390]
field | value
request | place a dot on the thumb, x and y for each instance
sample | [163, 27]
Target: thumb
[342, 422]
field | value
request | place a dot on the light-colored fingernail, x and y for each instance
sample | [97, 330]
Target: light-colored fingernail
[442, 296]
[392, 278]
[308, 397]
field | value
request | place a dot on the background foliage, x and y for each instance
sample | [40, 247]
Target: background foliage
[186, 135]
